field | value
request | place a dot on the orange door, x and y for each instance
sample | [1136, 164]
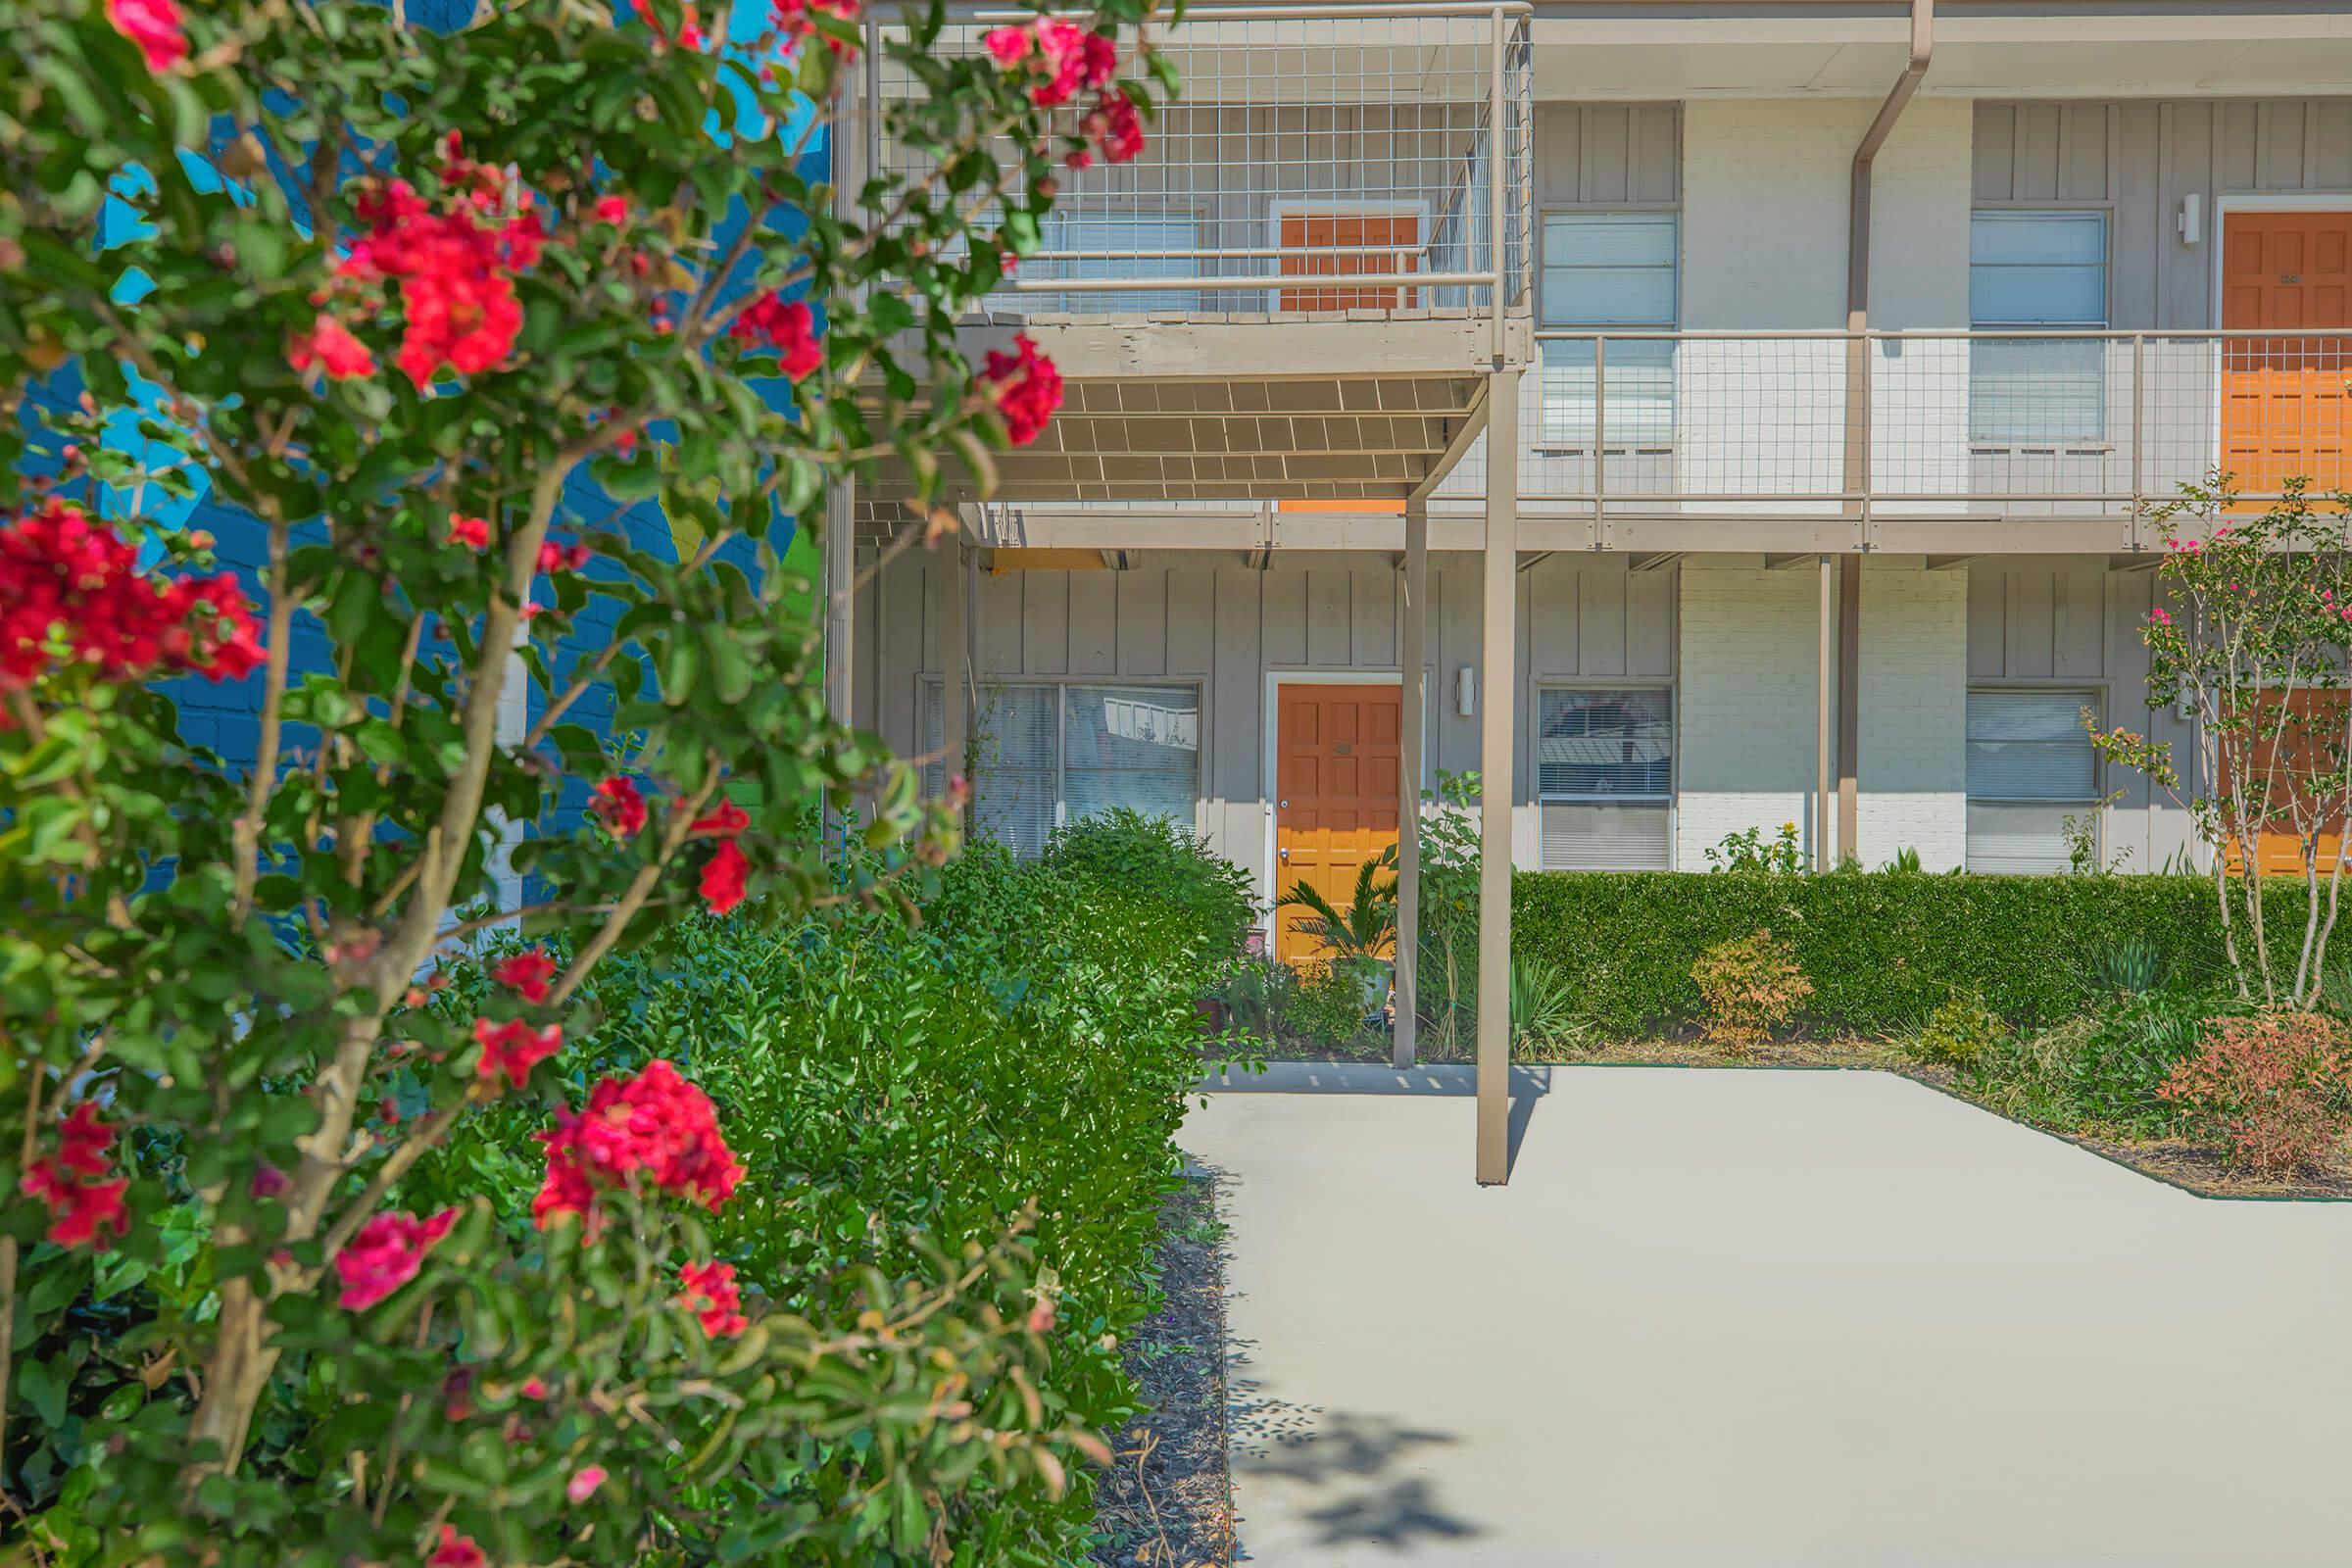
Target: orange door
[1311, 245]
[2311, 739]
[1336, 773]
[2283, 400]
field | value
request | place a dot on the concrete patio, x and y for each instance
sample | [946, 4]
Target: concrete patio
[1761, 1317]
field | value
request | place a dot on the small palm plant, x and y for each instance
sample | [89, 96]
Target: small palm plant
[1366, 929]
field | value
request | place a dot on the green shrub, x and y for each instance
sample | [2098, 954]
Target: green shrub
[907, 1098]
[2136, 1040]
[1324, 1008]
[1156, 858]
[1963, 1031]
[1882, 950]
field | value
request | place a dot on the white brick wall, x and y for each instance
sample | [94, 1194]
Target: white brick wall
[1913, 693]
[1747, 661]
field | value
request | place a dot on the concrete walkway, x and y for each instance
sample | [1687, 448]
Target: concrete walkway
[1727, 1318]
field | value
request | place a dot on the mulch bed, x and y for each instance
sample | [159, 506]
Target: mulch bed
[1167, 1503]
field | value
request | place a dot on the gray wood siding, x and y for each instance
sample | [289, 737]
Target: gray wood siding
[2139, 158]
[1608, 155]
[2067, 620]
[1206, 619]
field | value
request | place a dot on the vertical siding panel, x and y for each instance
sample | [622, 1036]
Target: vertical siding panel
[2142, 231]
[1551, 618]
[1095, 622]
[1283, 594]
[1603, 170]
[1987, 622]
[2192, 152]
[1649, 621]
[1046, 610]
[927, 612]
[2130, 821]
[1236, 818]
[1372, 618]
[869, 671]
[2031, 623]
[2281, 136]
[1003, 622]
[1600, 622]
[1557, 153]
[1327, 618]
[1458, 605]
[2233, 148]
[2036, 162]
[1192, 621]
[2332, 138]
[1143, 640]
[895, 632]
[1992, 150]
[2084, 175]
[1658, 169]
[2082, 624]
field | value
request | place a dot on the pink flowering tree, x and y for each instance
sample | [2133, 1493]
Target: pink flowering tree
[405, 295]
[2253, 638]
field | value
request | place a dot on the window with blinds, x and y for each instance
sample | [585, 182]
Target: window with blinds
[2029, 767]
[1121, 245]
[1605, 777]
[2030, 269]
[1604, 269]
[1050, 754]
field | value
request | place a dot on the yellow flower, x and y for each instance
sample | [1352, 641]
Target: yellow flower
[1788, 827]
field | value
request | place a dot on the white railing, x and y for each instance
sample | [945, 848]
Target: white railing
[1318, 159]
[1941, 422]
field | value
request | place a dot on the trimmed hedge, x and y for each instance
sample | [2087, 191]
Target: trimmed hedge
[1882, 949]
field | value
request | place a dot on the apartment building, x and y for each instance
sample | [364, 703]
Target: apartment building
[1706, 416]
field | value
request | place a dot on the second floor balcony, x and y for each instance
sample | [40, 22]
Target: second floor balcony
[1320, 161]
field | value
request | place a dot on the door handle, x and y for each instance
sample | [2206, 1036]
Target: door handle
[1283, 854]
[1281, 806]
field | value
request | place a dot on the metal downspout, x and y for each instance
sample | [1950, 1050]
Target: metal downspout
[1857, 446]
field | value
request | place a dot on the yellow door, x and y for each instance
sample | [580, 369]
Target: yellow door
[1337, 760]
[2283, 399]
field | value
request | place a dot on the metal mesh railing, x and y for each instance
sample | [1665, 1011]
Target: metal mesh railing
[1320, 158]
[2087, 424]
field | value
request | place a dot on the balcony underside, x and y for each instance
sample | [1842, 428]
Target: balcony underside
[1360, 405]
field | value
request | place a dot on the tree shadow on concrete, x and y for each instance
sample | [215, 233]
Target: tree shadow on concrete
[1362, 1462]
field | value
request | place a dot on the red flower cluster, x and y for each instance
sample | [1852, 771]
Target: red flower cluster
[471, 532]
[527, 974]
[1026, 388]
[84, 1210]
[329, 345]
[655, 1125]
[554, 558]
[791, 18]
[712, 1294]
[617, 804]
[511, 1050]
[1071, 59]
[61, 571]
[388, 1253]
[455, 271]
[456, 1551]
[155, 27]
[724, 873]
[787, 326]
[1113, 125]
[690, 26]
